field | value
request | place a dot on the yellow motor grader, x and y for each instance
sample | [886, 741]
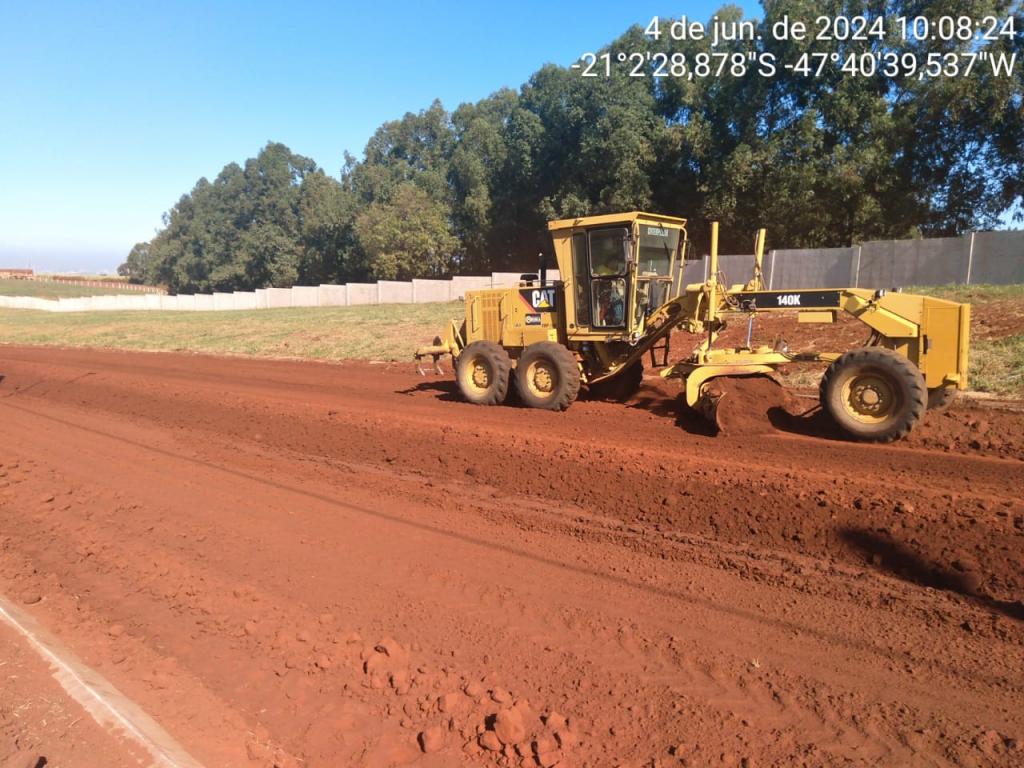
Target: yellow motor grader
[620, 295]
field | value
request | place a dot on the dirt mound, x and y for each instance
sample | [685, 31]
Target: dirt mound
[750, 405]
[970, 430]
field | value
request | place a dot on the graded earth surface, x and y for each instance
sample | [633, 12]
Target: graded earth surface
[302, 564]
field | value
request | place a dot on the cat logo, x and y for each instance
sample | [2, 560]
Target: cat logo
[789, 300]
[539, 299]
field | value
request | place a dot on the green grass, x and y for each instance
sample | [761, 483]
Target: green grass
[382, 332]
[997, 366]
[43, 289]
[971, 294]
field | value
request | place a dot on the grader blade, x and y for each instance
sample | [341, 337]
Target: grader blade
[710, 400]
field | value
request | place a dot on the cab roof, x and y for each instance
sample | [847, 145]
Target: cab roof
[615, 218]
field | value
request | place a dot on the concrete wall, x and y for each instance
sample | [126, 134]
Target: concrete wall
[223, 301]
[393, 292]
[429, 291]
[982, 257]
[244, 300]
[332, 295]
[305, 296]
[505, 279]
[461, 284]
[810, 268]
[362, 293]
[279, 298]
[892, 263]
[997, 257]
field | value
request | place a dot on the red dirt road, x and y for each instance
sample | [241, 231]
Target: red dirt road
[343, 565]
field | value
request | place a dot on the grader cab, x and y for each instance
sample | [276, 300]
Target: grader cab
[619, 296]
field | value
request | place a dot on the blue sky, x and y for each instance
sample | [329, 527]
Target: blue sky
[111, 111]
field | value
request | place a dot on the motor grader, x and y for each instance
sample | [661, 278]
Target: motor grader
[620, 296]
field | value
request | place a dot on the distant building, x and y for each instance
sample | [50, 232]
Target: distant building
[17, 274]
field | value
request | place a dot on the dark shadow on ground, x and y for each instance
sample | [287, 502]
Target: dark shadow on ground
[901, 561]
[811, 422]
[442, 388]
[446, 390]
[674, 408]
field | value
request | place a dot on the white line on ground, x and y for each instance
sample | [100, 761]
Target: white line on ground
[110, 708]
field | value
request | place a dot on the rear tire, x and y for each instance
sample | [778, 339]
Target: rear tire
[940, 398]
[547, 376]
[874, 394]
[620, 387]
[482, 372]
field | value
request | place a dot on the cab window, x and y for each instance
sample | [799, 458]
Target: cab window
[581, 275]
[608, 251]
[609, 302]
[657, 245]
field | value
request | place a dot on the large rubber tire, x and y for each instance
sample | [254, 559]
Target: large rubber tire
[940, 398]
[482, 373]
[620, 387]
[874, 394]
[547, 376]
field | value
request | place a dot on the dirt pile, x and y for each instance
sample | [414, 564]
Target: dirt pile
[750, 405]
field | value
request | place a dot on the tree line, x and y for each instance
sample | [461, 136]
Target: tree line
[820, 161]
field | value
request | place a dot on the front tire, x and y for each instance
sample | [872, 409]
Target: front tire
[482, 372]
[874, 394]
[547, 376]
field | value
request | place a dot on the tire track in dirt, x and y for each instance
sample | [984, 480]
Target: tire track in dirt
[917, 508]
[653, 624]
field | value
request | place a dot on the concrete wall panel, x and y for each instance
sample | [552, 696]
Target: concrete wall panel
[223, 301]
[332, 295]
[393, 292]
[305, 296]
[78, 305]
[428, 291]
[811, 268]
[278, 298]
[204, 302]
[998, 258]
[362, 293]
[896, 263]
[262, 302]
[244, 300]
